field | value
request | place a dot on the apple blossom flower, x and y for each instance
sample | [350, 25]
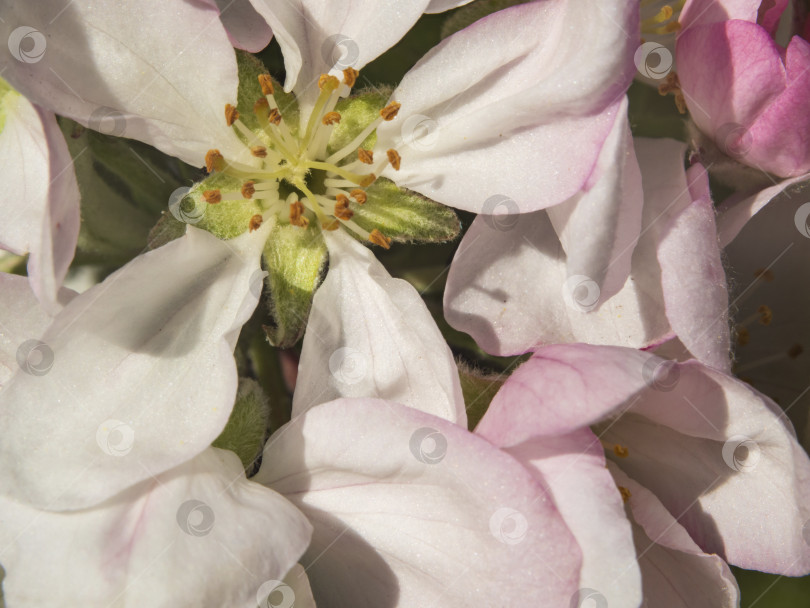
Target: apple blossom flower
[676, 283]
[718, 455]
[743, 89]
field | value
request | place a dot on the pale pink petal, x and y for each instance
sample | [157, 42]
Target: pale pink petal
[177, 539]
[439, 6]
[693, 278]
[702, 12]
[573, 467]
[418, 509]
[519, 96]
[40, 205]
[247, 30]
[675, 572]
[156, 71]
[141, 374]
[370, 335]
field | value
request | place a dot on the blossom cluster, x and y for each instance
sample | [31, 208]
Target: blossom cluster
[517, 324]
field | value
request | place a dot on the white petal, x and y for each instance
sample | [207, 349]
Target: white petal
[141, 375]
[318, 36]
[419, 510]
[177, 539]
[675, 572]
[439, 6]
[573, 466]
[40, 204]
[246, 28]
[370, 335]
[152, 70]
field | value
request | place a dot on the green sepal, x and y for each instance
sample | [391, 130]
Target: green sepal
[295, 259]
[226, 219]
[405, 216]
[478, 389]
[356, 113]
[8, 98]
[247, 426]
[167, 229]
[250, 92]
[469, 14]
[124, 186]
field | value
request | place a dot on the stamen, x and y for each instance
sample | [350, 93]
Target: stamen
[212, 196]
[672, 84]
[378, 238]
[365, 156]
[266, 83]
[248, 189]
[368, 180]
[328, 83]
[342, 211]
[331, 226]
[743, 336]
[331, 118]
[258, 151]
[625, 493]
[390, 111]
[360, 196]
[214, 161]
[764, 274]
[350, 77]
[765, 315]
[791, 353]
[394, 158]
[255, 222]
[620, 451]
[274, 116]
[297, 217]
[261, 109]
[231, 114]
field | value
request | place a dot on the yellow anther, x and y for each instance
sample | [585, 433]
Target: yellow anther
[274, 116]
[255, 222]
[266, 83]
[342, 211]
[248, 189]
[368, 180]
[212, 196]
[620, 451]
[297, 217]
[394, 158]
[625, 493]
[743, 336]
[350, 77]
[328, 83]
[765, 315]
[359, 195]
[258, 151]
[231, 114]
[378, 238]
[389, 112]
[365, 156]
[331, 226]
[331, 118]
[214, 161]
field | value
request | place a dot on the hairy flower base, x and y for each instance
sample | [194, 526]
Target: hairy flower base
[288, 170]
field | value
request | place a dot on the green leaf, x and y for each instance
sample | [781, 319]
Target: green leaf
[295, 259]
[478, 389]
[125, 185]
[356, 113]
[250, 91]
[469, 14]
[405, 216]
[247, 426]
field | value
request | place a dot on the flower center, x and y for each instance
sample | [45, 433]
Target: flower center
[288, 171]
